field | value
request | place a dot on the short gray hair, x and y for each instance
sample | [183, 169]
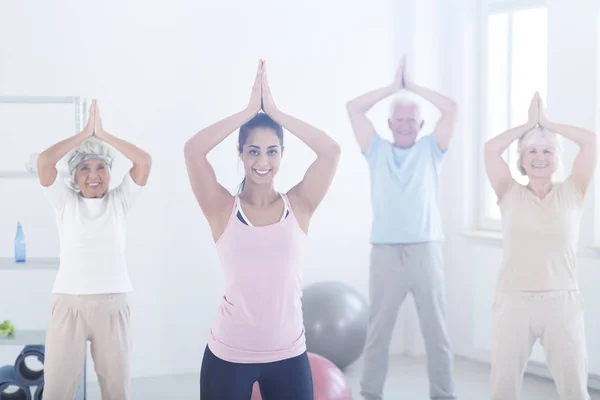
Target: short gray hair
[403, 102]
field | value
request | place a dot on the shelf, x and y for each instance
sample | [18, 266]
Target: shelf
[17, 175]
[24, 337]
[49, 263]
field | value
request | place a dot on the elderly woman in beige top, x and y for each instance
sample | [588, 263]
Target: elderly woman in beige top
[537, 296]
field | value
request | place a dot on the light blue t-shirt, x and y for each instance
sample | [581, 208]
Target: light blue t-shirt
[404, 191]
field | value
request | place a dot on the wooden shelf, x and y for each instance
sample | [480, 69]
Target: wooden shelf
[23, 338]
[31, 264]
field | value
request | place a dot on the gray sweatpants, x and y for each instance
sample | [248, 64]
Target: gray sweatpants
[396, 270]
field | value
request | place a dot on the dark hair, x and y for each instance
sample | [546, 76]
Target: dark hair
[260, 120]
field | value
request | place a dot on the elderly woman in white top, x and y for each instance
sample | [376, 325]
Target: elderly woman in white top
[537, 296]
[90, 291]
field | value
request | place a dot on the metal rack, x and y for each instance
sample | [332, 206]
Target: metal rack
[36, 265]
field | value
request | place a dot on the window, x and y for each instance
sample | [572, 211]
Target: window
[514, 66]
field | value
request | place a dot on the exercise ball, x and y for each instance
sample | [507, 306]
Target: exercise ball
[329, 383]
[336, 318]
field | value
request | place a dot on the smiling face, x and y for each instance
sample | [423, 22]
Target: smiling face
[405, 123]
[261, 155]
[538, 154]
[93, 178]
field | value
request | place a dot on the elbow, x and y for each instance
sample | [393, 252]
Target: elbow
[143, 163]
[452, 109]
[593, 140]
[188, 150]
[334, 151]
[147, 162]
[42, 161]
[192, 151]
[488, 148]
[351, 107]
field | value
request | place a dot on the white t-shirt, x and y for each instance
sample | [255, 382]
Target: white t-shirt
[92, 236]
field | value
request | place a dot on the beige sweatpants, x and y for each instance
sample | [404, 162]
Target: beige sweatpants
[75, 319]
[556, 319]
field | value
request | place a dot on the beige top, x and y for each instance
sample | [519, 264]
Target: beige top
[540, 238]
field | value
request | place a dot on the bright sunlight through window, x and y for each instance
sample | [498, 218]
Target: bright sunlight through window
[516, 68]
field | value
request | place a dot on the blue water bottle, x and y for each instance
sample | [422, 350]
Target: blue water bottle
[19, 244]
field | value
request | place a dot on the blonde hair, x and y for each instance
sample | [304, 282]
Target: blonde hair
[531, 137]
[91, 149]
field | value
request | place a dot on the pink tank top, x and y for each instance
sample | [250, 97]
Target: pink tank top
[260, 316]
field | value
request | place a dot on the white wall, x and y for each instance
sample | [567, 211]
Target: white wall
[163, 72]
[160, 73]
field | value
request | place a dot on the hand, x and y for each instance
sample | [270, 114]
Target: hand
[88, 131]
[268, 104]
[255, 103]
[406, 79]
[534, 110]
[401, 80]
[542, 120]
[98, 129]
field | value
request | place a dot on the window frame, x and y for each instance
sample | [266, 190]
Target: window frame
[488, 8]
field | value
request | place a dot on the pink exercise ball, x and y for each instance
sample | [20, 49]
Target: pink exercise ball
[329, 382]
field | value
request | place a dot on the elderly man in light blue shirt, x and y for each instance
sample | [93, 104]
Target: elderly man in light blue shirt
[406, 233]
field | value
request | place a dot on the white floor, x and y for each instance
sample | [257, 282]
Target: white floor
[407, 380]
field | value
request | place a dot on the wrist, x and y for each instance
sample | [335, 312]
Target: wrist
[275, 114]
[393, 88]
[546, 124]
[531, 124]
[101, 134]
[84, 134]
[408, 85]
[248, 113]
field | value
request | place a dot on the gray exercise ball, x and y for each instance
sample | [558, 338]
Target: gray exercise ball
[335, 319]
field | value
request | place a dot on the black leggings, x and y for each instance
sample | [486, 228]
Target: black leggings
[289, 379]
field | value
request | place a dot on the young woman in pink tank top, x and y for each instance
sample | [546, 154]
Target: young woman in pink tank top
[537, 295]
[261, 236]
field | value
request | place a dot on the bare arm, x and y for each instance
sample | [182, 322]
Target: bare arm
[585, 162]
[317, 179]
[48, 159]
[497, 171]
[211, 196]
[358, 108]
[319, 175]
[142, 162]
[496, 168]
[444, 129]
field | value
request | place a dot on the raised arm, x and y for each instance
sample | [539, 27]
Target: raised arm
[48, 159]
[211, 196]
[585, 162]
[444, 129]
[496, 168]
[316, 181]
[142, 162]
[357, 110]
